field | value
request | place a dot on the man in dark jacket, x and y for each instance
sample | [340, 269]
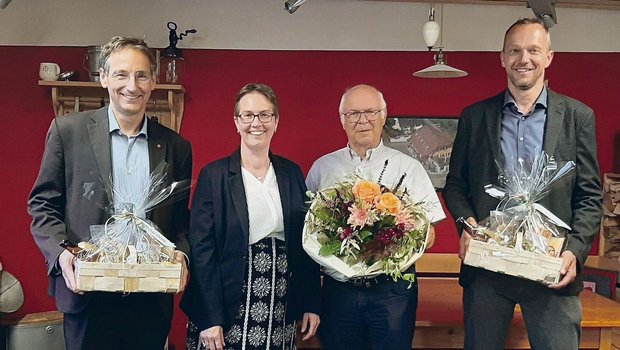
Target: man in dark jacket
[115, 142]
[525, 118]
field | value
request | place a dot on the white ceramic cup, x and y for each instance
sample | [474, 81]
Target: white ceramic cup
[49, 71]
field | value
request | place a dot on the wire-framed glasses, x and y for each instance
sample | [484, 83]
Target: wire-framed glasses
[124, 76]
[355, 116]
[248, 117]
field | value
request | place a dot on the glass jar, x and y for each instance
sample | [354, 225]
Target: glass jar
[171, 70]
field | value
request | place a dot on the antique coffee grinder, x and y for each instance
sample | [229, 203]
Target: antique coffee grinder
[172, 62]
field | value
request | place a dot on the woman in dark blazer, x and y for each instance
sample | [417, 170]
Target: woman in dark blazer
[250, 278]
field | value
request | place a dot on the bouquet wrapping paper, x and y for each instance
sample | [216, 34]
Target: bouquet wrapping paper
[362, 229]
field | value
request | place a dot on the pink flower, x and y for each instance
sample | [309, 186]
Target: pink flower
[360, 216]
[405, 219]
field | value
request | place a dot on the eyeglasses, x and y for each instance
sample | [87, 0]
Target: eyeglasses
[140, 76]
[248, 117]
[354, 116]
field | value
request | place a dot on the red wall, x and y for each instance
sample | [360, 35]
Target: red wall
[309, 85]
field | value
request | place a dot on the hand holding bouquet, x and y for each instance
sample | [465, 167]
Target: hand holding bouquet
[362, 228]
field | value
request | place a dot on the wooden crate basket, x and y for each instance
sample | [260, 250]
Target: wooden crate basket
[532, 266]
[119, 277]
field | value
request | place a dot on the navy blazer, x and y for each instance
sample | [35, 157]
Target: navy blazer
[219, 239]
[569, 136]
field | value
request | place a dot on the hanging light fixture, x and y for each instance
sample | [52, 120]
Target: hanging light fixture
[431, 29]
[4, 3]
[440, 69]
[431, 32]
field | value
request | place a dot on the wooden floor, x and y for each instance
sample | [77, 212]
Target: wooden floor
[439, 322]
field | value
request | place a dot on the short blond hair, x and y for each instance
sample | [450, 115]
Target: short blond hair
[524, 21]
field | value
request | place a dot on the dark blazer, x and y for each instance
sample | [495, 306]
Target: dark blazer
[219, 238]
[569, 136]
[77, 156]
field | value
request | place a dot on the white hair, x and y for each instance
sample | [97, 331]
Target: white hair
[348, 91]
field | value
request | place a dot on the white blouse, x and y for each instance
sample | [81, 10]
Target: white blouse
[264, 206]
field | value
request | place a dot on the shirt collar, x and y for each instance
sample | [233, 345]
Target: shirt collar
[541, 102]
[113, 124]
[369, 152]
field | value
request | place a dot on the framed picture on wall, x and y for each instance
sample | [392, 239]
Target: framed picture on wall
[427, 139]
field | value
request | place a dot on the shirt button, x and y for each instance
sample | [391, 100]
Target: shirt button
[521, 139]
[522, 118]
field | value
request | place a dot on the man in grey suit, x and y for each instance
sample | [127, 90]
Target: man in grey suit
[524, 118]
[84, 149]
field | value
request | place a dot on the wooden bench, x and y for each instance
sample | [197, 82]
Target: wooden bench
[440, 319]
[440, 314]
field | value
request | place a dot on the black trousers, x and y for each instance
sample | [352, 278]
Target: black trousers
[115, 321]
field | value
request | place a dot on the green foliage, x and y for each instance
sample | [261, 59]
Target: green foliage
[365, 235]
[330, 248]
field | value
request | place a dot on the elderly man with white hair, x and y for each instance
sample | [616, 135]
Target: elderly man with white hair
[373, 311]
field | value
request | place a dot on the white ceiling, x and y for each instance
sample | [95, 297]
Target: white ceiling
[584, 4]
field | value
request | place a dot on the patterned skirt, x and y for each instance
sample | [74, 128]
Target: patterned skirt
[261, 321]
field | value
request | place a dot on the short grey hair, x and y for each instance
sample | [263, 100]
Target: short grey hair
[119, 43]
[346, 93]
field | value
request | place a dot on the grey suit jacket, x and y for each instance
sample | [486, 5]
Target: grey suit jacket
[569, 136]
[78, 155]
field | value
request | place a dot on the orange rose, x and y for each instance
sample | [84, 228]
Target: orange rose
[366, 191]
[389, 203]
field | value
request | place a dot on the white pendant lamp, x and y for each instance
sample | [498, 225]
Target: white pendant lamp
[431, 32]
[440, 69]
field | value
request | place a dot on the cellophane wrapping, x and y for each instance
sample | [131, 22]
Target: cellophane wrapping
[127, 236]
[519, 221]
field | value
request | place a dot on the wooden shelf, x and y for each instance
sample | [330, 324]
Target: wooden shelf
[167, 101]
[601, 262]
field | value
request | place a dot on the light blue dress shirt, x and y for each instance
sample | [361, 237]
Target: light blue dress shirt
[130, 165]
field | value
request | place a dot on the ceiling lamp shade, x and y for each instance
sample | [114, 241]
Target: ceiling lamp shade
[440, 69]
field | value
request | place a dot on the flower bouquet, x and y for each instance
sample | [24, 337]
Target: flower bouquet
[361, 228]
[521, 237]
